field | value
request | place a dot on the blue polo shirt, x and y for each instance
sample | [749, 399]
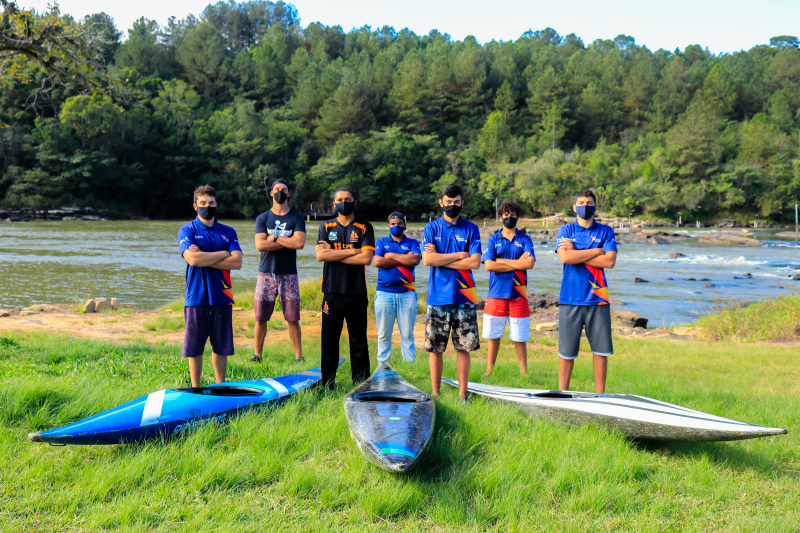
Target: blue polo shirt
[445, 285]
[400, 278]
[508, 285]
[206, 285]
[583, 284]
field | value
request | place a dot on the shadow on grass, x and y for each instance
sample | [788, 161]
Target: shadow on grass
[728, 454]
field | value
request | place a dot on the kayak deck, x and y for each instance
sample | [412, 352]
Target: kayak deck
[637, 417]
[390, 420]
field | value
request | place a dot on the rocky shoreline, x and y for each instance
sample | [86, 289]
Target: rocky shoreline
[66, 214]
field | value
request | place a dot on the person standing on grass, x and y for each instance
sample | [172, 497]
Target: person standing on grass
[396, 297]
[280, 232]
[451, 247]
[211, 251]
[508, 257]
[346, 245]
[586, 248]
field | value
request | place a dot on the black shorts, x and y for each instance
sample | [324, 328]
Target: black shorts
[204, 321]
[573, 318]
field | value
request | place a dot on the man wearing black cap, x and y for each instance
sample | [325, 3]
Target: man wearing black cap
[396, 297]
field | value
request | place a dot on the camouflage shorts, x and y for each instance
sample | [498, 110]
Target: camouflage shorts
[462, 319]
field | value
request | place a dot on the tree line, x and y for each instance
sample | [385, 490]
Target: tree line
[245, 93]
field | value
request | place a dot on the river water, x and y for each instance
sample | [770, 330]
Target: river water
[138, 263]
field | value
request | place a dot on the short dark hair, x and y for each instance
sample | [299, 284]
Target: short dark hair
[586, 193]
[451, 191]
[509, 205]
[345, 189]
[277, 181]
[207, 190]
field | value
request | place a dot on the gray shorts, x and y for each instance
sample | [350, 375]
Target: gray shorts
[573, 318]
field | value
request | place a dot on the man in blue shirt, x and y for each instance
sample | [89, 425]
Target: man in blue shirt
[451, 247]
[508, 257]
[211, 251]
[585, 248]
[396, 297]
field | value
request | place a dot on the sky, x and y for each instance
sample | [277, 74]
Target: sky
[721, 26]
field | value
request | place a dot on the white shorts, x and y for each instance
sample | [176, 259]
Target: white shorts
[495, 326]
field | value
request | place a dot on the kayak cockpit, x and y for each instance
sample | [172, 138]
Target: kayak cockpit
[389, 396]
[223, 390]
[550, 394]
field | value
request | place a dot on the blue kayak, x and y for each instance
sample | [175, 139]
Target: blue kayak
[174, 411]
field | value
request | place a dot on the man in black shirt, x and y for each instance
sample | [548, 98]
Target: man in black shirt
[346, 245]
[280, 232]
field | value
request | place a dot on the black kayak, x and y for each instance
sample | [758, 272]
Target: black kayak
[390, 420]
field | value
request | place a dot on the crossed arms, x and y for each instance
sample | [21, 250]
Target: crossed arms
[525, 262]
[223, 260]
[456, 261]
[350, 256]
[264, 242]
[392, 260]
[596, 257]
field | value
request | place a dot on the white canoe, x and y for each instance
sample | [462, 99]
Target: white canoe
[637, 417]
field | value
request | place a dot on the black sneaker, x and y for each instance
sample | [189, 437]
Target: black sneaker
[301, 360]
[256, 359]
[465, 400]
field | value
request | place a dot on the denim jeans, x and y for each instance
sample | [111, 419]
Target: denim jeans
[403, 307]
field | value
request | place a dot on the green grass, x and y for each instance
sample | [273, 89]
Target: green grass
[165, 323]
[490, 468]
[771, 319]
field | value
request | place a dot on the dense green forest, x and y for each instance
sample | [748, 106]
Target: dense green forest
[246, 93]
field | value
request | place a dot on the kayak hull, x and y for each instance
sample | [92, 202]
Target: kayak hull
[636, 417]
[390, 420]
[170, 412]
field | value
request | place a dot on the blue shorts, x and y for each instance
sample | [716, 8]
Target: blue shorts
[204, 321]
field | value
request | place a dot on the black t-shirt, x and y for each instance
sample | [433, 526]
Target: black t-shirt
[338, 277]
[283, 261]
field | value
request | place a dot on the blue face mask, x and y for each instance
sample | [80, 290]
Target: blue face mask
[585, 211]
[397, 231]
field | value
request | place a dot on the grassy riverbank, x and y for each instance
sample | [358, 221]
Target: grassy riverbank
[765, 320]
[489, 468]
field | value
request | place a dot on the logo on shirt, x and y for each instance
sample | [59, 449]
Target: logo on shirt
[404, 247]
[332, 235]
[518, 244]
[201, 237]
[185, 239]
[354, 236]
[459, 238]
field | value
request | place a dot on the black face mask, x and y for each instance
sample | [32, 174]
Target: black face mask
[207, 213]
[452, 211]
[280, 197]
[345, 208]
[510, 222]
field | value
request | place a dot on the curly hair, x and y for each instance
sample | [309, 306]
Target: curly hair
[509, 206]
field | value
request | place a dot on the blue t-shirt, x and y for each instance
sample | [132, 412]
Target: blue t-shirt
[400, 278]
[206, 285]
[445, 285]
[583, 284]
[508, 285]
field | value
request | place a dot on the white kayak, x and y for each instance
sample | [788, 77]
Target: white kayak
[637, 417]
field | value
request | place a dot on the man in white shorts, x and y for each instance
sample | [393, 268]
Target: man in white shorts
[508, 257]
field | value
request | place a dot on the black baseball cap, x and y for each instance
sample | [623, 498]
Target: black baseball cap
[397, 214]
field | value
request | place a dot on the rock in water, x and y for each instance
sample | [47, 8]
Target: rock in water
[708, 284]
[629, 319]
[640, 280]
[102, 304]
[88, 307]
[676, 255]
[689, 279]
